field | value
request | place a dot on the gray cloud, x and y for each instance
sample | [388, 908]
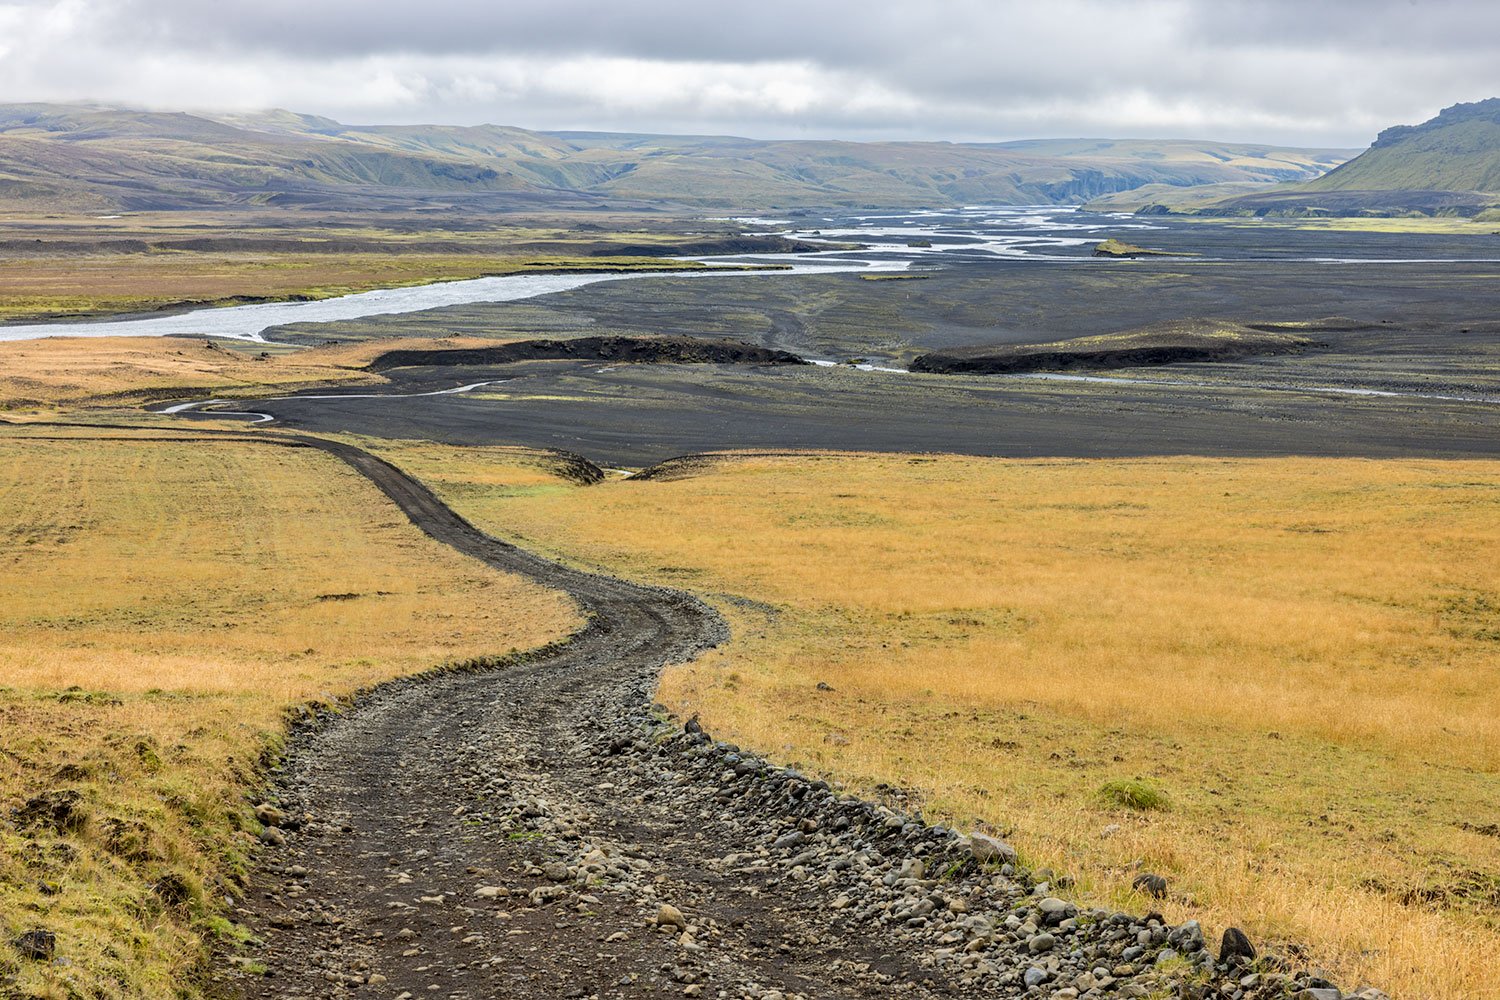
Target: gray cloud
[1330, 72]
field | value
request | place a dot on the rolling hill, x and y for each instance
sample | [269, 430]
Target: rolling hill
[1459, 150]
[101, 158]
[108, 158]
[1448, 165]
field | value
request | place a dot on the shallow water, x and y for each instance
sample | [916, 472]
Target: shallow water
[250, 322]
[1067, 233]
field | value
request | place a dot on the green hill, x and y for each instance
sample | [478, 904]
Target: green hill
[93, 157]
[1449, 165]
[1459, 150]
[108, 158]
[1214, 161]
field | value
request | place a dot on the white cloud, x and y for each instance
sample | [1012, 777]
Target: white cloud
[1329, 72]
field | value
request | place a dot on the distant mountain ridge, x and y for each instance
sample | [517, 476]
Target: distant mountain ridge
[1447, 165]
[103, 158]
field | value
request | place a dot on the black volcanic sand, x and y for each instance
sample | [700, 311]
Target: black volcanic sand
[638, 415]
[1423, 317]
[1429, 328]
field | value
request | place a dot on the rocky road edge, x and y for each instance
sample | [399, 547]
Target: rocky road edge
[962, 905]
[953, 914]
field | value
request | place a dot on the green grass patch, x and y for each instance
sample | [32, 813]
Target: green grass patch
[1133, 793]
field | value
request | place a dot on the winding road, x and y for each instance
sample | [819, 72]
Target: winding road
[537, 828]
[431, 821]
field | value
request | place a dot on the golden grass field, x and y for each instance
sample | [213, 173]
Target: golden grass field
[1442, 225]
[121, 374]
[162, 607]
[1302, 656]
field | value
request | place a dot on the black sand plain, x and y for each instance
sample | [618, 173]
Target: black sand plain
[1419, 328]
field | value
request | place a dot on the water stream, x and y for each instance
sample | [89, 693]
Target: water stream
[250, 322]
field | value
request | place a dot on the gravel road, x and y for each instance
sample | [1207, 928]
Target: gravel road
[538, 828]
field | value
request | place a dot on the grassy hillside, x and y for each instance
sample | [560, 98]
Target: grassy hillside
[95, 158]
[1266, 163]
[118, 159]
[1459, 150]
[1446, 166]
[1164, 199]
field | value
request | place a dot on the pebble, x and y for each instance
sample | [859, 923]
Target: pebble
[1236, 947]
[1151, 884]
[990, 850]
[1039, 943]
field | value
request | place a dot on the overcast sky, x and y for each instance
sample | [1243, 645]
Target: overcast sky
[1316, 72]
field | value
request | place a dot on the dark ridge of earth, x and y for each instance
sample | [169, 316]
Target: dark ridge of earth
[652, 350]
[1004, 360]
[1190, 341]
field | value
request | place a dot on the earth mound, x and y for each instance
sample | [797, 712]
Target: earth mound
[1160, 344]
[642, 350]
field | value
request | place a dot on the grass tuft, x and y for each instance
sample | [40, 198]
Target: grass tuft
[1133, 793]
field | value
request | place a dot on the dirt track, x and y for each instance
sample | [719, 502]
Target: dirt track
[407, 794]
[540, 830]
[402, 794]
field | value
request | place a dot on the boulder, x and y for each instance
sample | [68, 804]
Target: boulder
[990, 850]
[1236, 947]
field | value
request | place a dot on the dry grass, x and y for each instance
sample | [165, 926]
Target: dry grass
[40, 376]
[1302, 655]
[55, 372]
[162, 605]
[1441, 225]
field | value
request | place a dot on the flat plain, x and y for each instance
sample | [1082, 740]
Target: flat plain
[64, 267]
[1411, 314]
